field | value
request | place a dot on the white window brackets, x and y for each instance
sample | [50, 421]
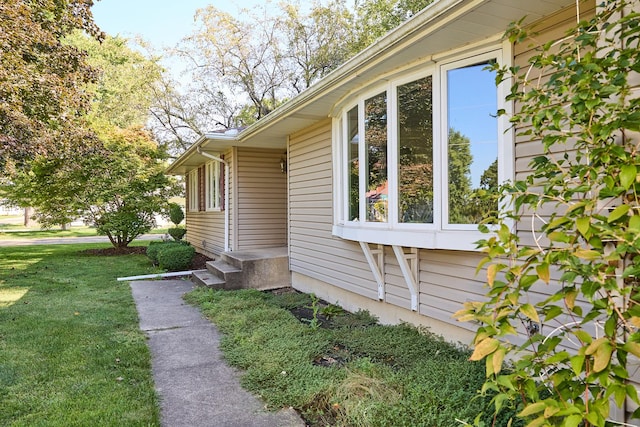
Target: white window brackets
[375, 258]
[408, 263]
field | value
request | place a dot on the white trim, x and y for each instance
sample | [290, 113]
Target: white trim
[212, 179]
[424, 239]
[227, 248]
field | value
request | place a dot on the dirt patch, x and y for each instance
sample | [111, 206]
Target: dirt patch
[113, 251]
[199, 261]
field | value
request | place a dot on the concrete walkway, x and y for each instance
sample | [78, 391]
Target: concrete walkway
[196, 387]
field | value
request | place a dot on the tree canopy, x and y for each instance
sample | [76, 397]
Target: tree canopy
[42, 79]
[244, 67]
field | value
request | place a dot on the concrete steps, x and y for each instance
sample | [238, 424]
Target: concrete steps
[257, 269]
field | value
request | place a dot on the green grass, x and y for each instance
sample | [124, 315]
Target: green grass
[20, 232]
[71, 352]
[373, 375]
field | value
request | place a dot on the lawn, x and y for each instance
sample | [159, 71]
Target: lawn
[13, 232]
[343, 369]
[71, 352]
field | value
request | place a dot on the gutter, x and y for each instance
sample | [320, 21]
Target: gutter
[155, 276]
[226, 192]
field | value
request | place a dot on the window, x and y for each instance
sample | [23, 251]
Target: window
[212, 186]
[430, 146]
[192, 191]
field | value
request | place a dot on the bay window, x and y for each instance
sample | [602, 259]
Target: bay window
[431, 148]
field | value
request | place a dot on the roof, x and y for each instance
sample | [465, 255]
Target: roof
[440, 27]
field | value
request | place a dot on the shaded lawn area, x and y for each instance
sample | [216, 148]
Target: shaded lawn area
[343, 369]
[71, 353]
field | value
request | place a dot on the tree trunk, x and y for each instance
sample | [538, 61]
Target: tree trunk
[28, 213]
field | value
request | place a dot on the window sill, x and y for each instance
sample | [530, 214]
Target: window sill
[457, 240]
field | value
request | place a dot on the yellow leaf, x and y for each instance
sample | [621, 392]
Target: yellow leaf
[602, 357]
[543, 272]
[635, 321]
[570, 299]
[530, 311]
[632, 347]
[492, 270]
[587, 254]
[484, 347]
[593, 347]
[498, 358]
[550, 411]
[533, 408]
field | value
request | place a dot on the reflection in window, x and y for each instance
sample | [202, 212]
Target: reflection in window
[472, 143]
[354, 164]
[415, 145]
[375, 127]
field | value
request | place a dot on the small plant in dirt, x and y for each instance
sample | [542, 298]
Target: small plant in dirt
[331, 310]
[314, 322]
[176, 215]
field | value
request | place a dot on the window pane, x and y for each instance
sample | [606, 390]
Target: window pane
[415, 139]
[472, 143]
[375, 125]
[354, 165]
[212, 185]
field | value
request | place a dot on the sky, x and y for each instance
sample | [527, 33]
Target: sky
[159, 22]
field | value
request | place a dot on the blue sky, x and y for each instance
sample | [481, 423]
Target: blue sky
[160, 22]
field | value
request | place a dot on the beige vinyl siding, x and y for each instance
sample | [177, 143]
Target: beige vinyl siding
[314, 252]
[446, 278]
[261, 199]
[205, 231]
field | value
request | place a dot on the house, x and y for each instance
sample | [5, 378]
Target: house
[361, 185]
[361, 180]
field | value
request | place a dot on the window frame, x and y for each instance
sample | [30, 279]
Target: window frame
[193, 191]
[212, 186]
[439, 234]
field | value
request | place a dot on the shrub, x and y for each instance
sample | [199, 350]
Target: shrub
[177, 232]
[176, 214]
[176, 257]
[155, 247]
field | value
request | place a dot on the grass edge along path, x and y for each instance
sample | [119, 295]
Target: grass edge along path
[71, 352]
[353, 374]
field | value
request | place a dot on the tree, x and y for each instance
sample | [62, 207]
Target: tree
[318, 42]
[579, 343]
[374, 18]
[115, 178]
[121, 95]
[460, 190]
[118, 187]
[41, 78]
[244, 68]
[245, 55]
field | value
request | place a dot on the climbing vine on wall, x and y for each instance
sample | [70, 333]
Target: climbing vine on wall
[562, 303]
